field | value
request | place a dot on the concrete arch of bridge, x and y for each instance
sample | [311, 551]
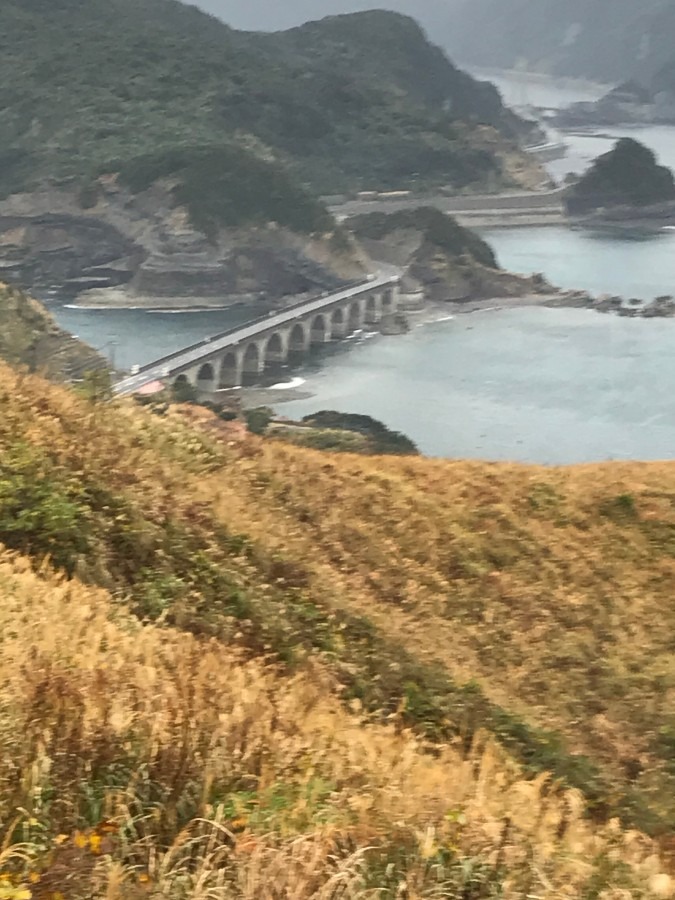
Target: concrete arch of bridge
[206, 378]
[338, 324]
[373, 310]
[319, 331]
[252, 363]
[276, 350]
[355, 317]
[182, 380]
[299, 338]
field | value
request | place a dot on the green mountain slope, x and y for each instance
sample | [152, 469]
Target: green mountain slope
[364, 99]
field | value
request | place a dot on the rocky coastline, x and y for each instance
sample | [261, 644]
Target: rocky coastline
[137, 251]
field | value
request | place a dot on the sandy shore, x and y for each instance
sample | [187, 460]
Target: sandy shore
[119, 298]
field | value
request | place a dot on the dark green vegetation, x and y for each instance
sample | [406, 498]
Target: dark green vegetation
[378, 438]
[335, 431]
[227, 186]
[628, 175]
[154, 87]
[436, 229]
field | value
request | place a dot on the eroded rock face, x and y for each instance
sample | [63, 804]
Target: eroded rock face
[139, 250]
[63, 249]
[443, 276]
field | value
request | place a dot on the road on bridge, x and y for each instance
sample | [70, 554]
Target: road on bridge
[174, 363]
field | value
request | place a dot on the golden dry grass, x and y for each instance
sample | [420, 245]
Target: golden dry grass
[262, 726]
[139, 761]
[551, 587]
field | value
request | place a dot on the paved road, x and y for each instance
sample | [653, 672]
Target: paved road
[490, 203]
[184, 359]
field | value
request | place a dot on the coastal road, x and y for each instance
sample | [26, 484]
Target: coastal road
[515, 203]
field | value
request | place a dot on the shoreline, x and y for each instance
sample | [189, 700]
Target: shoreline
[106, 299]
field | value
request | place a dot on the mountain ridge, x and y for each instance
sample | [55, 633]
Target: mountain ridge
[82, 92]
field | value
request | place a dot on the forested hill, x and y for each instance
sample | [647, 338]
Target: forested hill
[607, 40]
[355, 100]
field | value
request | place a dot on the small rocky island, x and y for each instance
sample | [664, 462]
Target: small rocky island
[625, 184]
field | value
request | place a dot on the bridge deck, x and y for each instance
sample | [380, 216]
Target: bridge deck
[174, 363]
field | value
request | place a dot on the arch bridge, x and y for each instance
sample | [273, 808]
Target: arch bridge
[244, 354]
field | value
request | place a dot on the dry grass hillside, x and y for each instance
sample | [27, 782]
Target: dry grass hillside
[29, 336]
[241, 669]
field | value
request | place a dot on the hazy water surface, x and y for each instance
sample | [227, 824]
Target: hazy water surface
[549, 386]
[135, 336]
[631, 264]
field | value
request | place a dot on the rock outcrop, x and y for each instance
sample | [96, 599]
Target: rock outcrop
[627, 180]
[442, 260]
[141, 250]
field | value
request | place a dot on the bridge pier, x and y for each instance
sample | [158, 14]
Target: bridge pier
[373, 309]
[319, 331]
[356, 315]
[276, 349]
[338, 324]
[231, 370]
[252, 362]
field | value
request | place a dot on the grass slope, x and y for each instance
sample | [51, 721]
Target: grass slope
[91, 87]
[30, 337]
[281, 672]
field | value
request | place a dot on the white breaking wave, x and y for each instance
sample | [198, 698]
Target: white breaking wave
[287, 385]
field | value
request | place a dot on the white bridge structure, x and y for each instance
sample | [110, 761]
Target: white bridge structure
[243, 354]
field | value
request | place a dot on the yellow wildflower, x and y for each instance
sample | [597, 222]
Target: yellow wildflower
[95, 844]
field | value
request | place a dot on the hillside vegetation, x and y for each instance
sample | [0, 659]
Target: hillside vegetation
[248, 669]
[435, 227]
[30, 337]
[443, 259]
[628, 175]
[155, 86]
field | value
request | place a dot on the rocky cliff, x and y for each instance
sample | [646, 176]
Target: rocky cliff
[442, 260]
[140, 249]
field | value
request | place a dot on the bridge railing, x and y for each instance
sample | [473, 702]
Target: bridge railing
[204, 342]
